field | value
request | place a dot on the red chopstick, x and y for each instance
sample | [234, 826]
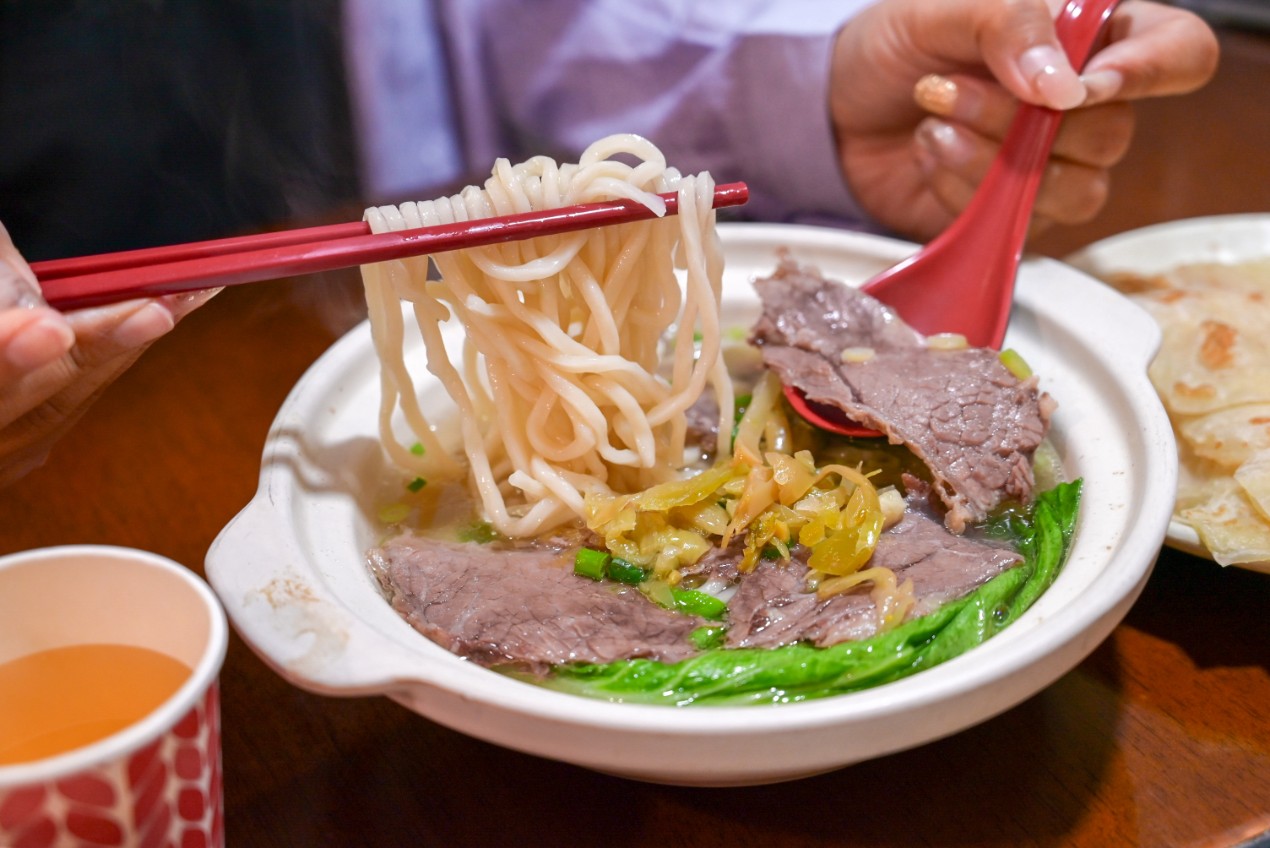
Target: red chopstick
[112, 277]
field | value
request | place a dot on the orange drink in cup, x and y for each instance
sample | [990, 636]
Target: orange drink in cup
[109, 710]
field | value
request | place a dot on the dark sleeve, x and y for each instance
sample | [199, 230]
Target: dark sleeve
[134, 123]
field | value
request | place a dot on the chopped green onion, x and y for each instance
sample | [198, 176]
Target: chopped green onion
[625, 572]
[416, 484]
[697, 336]
[596, 564]
[588, 562]
[1015, 363]
[707, 637]
[417, 449]
[771, 552]
[393, 513]
[692, 602]
[480, 532]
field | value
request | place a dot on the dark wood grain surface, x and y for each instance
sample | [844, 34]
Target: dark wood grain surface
[1160, 738]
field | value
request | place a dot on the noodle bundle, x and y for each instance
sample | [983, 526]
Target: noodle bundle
[581, 353]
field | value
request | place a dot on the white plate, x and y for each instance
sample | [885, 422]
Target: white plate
[1152, 250]
[290, 568]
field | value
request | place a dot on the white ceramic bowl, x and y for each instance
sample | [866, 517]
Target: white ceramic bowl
[291, 573]
[1228, 239]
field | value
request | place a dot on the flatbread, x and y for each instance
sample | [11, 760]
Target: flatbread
[1215, 350]
[1229, 437]
[1213, 374]
[1253, 478]
[1229, 526]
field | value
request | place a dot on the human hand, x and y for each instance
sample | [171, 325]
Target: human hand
[52, 366]
[913, 147]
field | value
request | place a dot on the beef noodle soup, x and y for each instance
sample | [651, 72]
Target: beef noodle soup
[631, 511]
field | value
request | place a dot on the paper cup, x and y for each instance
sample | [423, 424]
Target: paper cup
[156, 782]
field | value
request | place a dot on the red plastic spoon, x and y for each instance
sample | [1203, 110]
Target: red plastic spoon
[963, 280]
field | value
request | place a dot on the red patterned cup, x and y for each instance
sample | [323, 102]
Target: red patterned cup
[156, 782]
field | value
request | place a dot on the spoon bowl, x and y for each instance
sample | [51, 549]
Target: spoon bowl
[962, 282]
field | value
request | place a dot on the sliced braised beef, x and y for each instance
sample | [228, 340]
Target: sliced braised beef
[703, 423]
[772, 606]
[717, 565]
[962, 412]
[522, 607]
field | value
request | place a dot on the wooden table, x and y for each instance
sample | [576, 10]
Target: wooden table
[1160, 738]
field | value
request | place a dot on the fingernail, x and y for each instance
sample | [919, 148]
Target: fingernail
[1102, 85]
[937, 94]
[944, 142]
[16, 289]
[183, 304]
[41, 341]
[143, 326]
[1052, 77]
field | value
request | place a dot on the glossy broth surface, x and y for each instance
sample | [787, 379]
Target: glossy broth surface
[60, 699]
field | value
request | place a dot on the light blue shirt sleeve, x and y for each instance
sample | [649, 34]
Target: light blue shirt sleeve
[402, 100]
[737, 88]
